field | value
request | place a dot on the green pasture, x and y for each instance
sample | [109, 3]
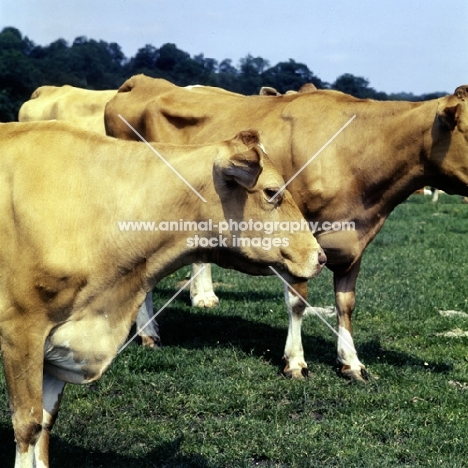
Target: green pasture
[214, 395]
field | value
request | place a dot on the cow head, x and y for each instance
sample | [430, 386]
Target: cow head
[450, 141]
[257, 222]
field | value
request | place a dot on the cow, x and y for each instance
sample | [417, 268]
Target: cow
[429, 191]
[84, 108]
[346, 160]
[72, 280]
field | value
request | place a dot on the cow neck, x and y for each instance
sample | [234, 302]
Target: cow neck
[400, 166]
[386, 163]
[165, 248]
[379, 162]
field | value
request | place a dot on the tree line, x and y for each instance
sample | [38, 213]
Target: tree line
[99, 65]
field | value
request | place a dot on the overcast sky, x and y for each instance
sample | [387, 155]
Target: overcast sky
[417, 46]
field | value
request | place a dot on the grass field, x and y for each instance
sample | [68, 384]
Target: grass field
[214, 395]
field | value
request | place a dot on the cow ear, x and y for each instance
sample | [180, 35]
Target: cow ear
[450, 114]
[462, 92]
[268, 91]
[244, 167]
[249, 138]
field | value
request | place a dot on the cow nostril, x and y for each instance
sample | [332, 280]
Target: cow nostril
[322, 258]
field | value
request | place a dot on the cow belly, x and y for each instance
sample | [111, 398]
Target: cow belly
[79, 352]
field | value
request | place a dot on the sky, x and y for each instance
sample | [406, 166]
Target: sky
[418, 46]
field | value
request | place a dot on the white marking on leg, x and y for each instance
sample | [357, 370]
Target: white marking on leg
[52, 390]
[25, 460]
[148, 329]
[347, 354]
[201, 288]
[327, 311]
[40, 464]
[293, 351]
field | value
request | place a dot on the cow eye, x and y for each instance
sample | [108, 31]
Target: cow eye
[273, 195]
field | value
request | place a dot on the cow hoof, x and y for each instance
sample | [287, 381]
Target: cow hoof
[205, 302]
[150, 342]
[355, 375]
[297, 374]
[211, 301]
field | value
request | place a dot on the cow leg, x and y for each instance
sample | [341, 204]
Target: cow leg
[201, 288]
[148, 331]
[296, 366]
[52, 390]
[23, 359]
[345, 297]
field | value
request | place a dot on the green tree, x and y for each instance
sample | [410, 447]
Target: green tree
[96, 64]
[228, 76]
[354, 85]
[251, 69]
[144, 61]
[56, 65]
[208, 70]
[18, 74]
[227, 67]
[189, 72]
[167, 62]
[290, 75]
[169, 56]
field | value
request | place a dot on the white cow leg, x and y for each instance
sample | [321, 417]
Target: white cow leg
[52, 390]
[351, 366]
[25, 459]
[201, 288]
[148, 330]
[296, 366]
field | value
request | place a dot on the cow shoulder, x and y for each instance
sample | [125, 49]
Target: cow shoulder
[181, 104]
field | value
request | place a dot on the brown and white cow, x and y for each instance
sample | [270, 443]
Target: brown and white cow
[71, 280]
[84, 108]
[386, 152]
